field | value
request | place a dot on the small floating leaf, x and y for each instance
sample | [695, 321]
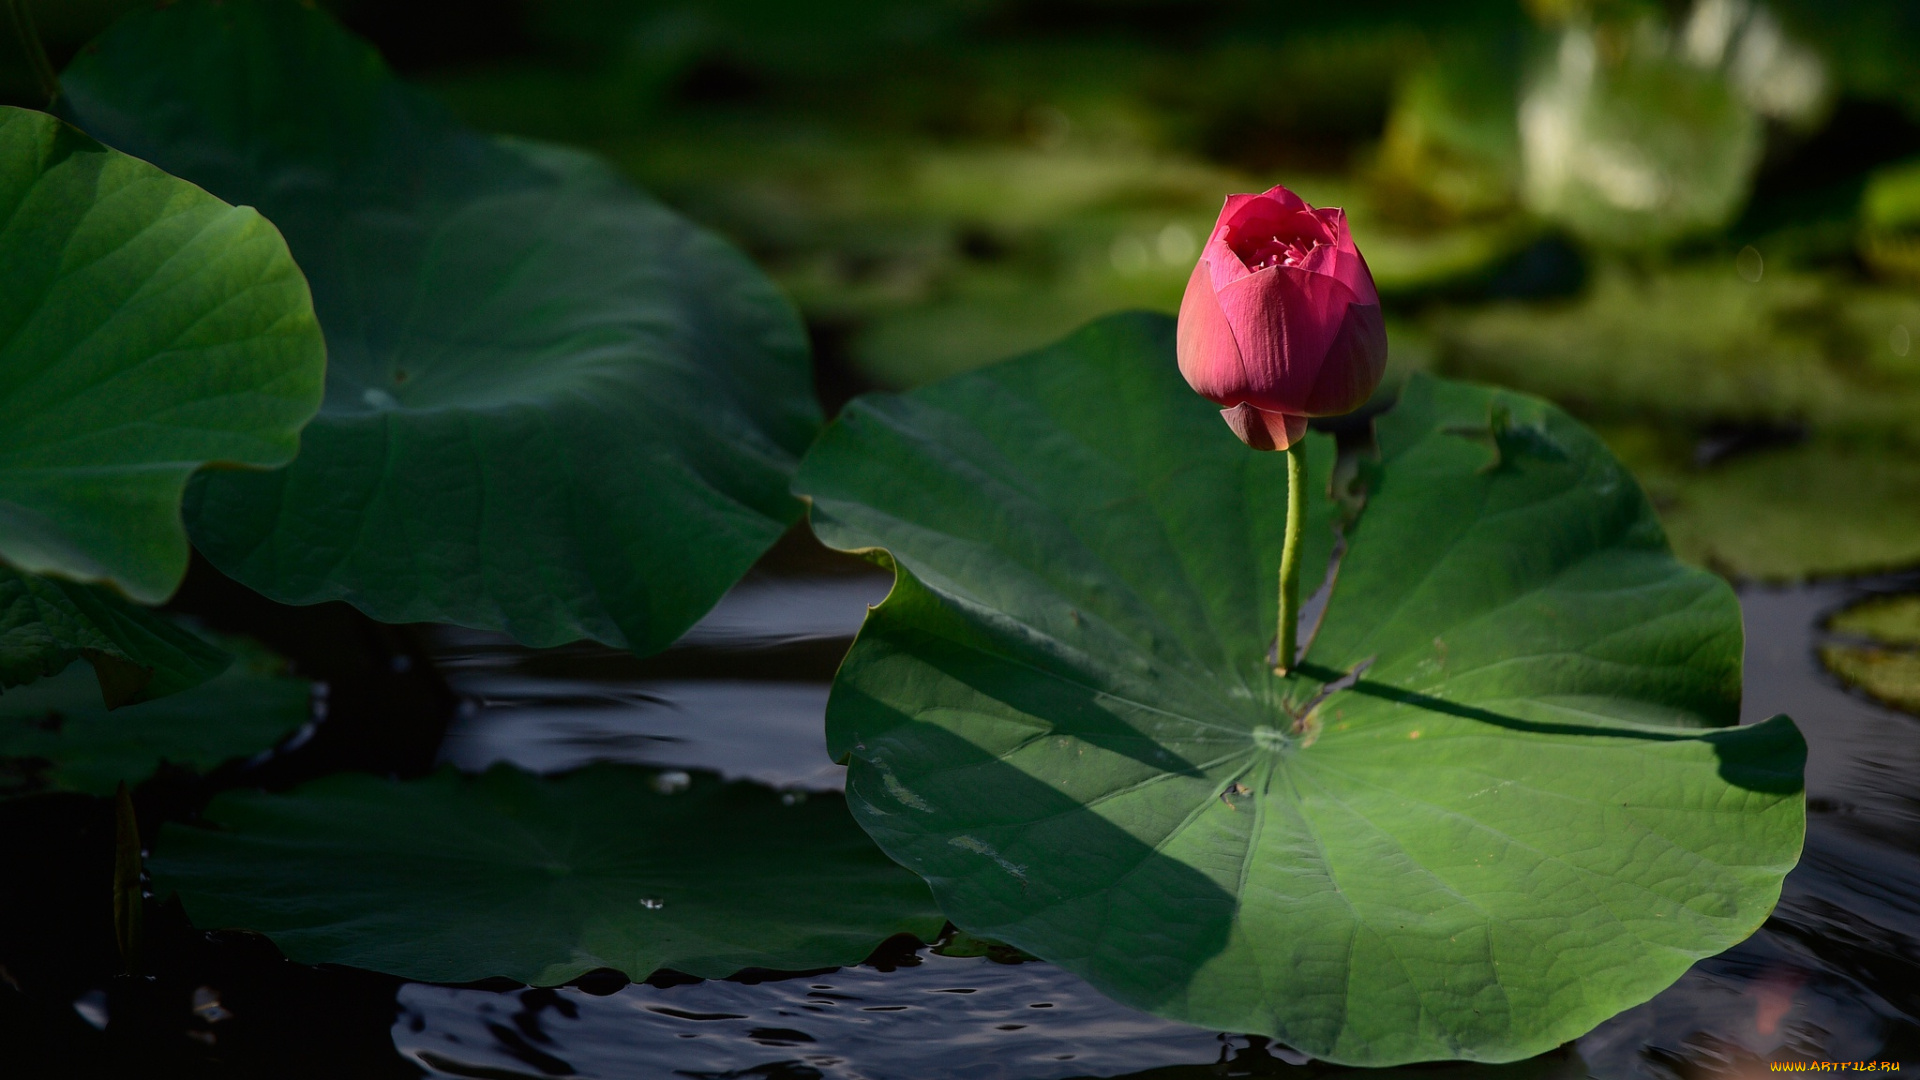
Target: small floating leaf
[1889, 669]
[1516, 819]
[1889, 675]
[1890, 620]
[137, 655]
[553, 406]
[54, 735]
[455, 878]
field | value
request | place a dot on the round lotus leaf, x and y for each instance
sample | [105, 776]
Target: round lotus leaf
[146, 329]
[1495, 805]
[553, 406]
[454, 878]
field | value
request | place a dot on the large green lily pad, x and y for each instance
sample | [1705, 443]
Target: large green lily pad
[54, 735]
[146, 329]
[1521, 819]
[553, 406]
[48, 623]
[455, 878]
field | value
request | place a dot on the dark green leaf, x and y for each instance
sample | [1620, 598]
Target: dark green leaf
[146, 328]
[455, 878]
[55, 735]
[553, 406]
[1512, 826]
[46, 624]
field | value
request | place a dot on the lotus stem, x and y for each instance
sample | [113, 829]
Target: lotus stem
[20, 22]
[127, 903]
[1284, 652]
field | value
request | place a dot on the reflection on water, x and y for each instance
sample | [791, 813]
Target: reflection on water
[771, 610]
[770, 732]
[1834, 974]
[943, 1016]
[559, 709]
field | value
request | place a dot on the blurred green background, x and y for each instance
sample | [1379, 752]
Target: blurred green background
[1695, 224]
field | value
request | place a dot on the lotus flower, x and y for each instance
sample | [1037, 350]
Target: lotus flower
[1281, 320]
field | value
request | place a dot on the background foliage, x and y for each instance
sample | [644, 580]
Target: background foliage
[941, 184]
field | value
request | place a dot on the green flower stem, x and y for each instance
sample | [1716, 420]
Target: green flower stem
[1284, 653]
[20, 24]
[127, 903]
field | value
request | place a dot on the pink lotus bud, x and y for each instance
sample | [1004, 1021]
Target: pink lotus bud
[1281, 320]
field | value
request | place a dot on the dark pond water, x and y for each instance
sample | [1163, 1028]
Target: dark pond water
[1833, 976]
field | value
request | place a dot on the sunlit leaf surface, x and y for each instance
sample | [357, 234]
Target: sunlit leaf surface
[553, 406]
[146, 328]
[454, 877]
[1521, 819]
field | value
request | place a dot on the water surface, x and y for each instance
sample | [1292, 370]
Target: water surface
[1834, 974]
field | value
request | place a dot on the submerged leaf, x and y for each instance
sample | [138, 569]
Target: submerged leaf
[553, 406]
[1487, 813]
[47, 623]
[455, 878]
[146, 329]
[55, 734]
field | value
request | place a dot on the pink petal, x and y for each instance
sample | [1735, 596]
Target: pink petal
[1264, 430]
[1352, 266]
[1284, 320]
[1204, 343]
[1255, 224]
[1234, 203]
[1354, 364]
[1223, 264]
[1285, 198]
[1361, 281]
[1348, 268]
[1324, 259]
